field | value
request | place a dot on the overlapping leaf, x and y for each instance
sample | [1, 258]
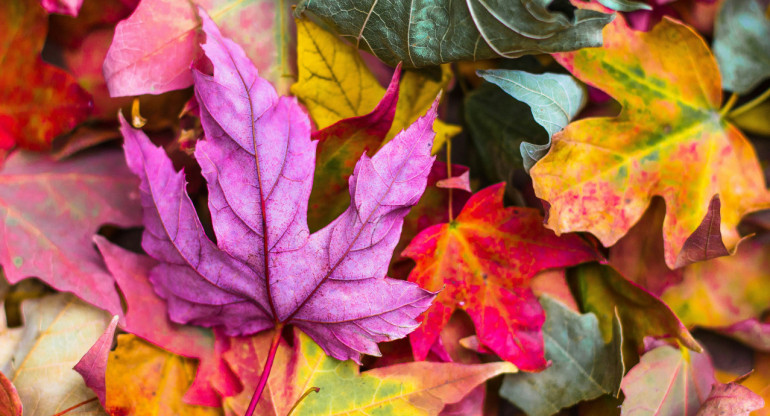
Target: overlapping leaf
[667, 382]
[147, 318]
[51, 210]
[582, 367]
[428, 32]
[730, 399]
[721, 292]
[601, 290]
[335, 84]
[266, 269]
[48, 102]
[145, 380]
[669, 140]
[483, 260]
[554, 99]
[152, 50]
[58, 330]
[418, 388]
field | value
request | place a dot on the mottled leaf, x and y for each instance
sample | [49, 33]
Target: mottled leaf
[742, 44]
[93, 365]
[667, 382]
[418, 388]
[266, 269]
[51, 210]
[38, 101]
[554, 99]
[482, 263]
[582, 367]
[669, 140]
[730, 399]
[153, 49]
[721, 292]
[601, 289]
[58, 330]
[145, 380]
[429, 32]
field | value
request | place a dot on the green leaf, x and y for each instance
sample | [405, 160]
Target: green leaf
[430, 32]
[498, 125]
[601, 290]
[583, 368]
[742, 45]
[555, 99]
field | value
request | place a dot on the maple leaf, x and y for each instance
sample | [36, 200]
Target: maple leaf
[142, 379]
[152, 49]
[147, 318]
[51, 210]
[49, 101]
[416, 388]
[484, 260]
[266, 269]
[667, 382]
[669, 140]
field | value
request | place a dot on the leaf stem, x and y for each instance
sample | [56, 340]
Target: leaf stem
[65, 411]
[750, 105]
[310, 390]
[265, 370]
[728, 105]
[449, 173]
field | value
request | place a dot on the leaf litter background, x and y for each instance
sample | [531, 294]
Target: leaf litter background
[455, 208]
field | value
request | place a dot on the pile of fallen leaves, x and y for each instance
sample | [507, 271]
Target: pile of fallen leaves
[384, 207]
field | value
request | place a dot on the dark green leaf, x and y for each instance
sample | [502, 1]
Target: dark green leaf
[430, 32]
[583, 366]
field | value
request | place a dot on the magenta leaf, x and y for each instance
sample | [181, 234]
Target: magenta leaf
[93, 365]
[51, 210]
[266, 269]
[146, 317]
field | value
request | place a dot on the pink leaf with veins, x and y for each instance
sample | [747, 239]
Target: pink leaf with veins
[266, 269]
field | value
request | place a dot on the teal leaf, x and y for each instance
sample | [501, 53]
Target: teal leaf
[625, 5]
[430, 32]
[583, 366]
[742, 45]
[554, 99]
